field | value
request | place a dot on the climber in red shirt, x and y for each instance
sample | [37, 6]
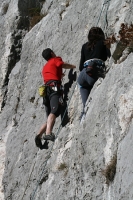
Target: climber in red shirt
[52, 75]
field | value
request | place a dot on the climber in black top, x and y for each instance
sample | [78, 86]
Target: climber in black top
[93, 54]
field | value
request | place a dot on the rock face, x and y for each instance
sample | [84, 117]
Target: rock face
[78, 164]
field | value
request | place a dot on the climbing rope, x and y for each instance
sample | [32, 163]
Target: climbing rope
[29, 179]
[106, 22]
[49, 155]
[106, 2]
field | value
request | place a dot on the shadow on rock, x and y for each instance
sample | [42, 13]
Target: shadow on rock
[64, 113]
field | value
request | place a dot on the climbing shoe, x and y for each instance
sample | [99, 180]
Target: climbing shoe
[38, 141]
[45, 145]
[49, 137]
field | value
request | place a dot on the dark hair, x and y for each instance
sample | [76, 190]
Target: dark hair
[95, 34]
[46, 54]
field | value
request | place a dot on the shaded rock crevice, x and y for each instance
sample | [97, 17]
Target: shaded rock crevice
[21, 27]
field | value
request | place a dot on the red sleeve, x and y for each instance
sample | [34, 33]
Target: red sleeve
[58, 61]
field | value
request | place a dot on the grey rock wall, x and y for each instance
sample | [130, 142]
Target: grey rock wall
[71, 167]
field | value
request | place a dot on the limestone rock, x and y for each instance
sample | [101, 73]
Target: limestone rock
[71, 167]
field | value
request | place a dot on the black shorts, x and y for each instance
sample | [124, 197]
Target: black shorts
[52, 102]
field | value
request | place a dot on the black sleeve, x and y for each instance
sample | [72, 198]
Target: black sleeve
[108, 52]
[82, 59]
[101, 51]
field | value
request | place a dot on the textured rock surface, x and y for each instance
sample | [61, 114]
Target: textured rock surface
[75, 160]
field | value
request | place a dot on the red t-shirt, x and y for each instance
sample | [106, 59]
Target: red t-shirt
[52, 70]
